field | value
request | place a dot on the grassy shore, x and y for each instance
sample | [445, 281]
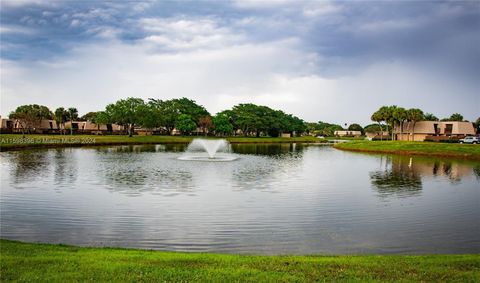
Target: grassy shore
[10, 142]
[464, 151]
[58, 263]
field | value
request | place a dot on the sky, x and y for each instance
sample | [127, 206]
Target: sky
[333, 61]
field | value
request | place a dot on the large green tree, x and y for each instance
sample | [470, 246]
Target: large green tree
[28, 117]
[356, 127]
[259, 120]
[151, 115]
[91, 117]
[185, 124]
[126, 112]
[172, 109]
[222, 125]
[327, 129]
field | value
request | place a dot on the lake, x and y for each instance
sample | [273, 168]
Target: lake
[274, 199]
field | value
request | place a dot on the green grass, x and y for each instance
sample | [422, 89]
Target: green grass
[9, 141]
[465, 151]
[24, 262]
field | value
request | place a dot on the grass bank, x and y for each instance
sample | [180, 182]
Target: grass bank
[12, 142]
[58, 263]
[465, 151]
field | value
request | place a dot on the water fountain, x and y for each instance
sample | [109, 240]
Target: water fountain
[208, 150]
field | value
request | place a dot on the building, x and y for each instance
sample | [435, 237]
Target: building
[15, 126]
[47, 126]
[432, 129]
[6, 126]
[89, 127]
[347, 133]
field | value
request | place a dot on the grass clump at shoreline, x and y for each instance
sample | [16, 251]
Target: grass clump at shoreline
[465, 151]
[16, 141]
[59, 263]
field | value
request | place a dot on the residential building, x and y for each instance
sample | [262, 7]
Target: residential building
[347, 133]
[424, 129]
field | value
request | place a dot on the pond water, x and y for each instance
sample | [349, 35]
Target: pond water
[274, 199]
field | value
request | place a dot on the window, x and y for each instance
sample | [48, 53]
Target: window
[448, 129]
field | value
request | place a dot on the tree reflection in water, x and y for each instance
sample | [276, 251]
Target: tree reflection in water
[397, 178]
[29, 165]
[401, 175]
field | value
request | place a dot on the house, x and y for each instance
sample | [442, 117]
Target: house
[344, 133]
[48, 126]
[89, 127]
[6, 126]
[424, 129]
[15, 126]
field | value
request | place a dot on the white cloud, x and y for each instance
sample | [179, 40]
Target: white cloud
[177, 34]
[387, 25]
[263, 4]
[4, 29]
[102, 74]
[19, 3]
[321, 8]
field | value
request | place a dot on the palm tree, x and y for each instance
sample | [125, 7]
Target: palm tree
[60, 118]
[400, 116]
[389, 116]
[384, 114]
[378, 117]
[414, 115]
[430, 117]
[72, 114]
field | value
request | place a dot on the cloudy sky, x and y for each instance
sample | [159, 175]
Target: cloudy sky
[320, 60]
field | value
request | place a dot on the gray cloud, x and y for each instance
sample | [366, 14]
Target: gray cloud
[334, 61]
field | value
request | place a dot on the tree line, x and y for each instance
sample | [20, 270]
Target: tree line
[182, 114]
[186, 116]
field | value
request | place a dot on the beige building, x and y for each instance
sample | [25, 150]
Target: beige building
[87, 126]
[423, 129]
[51, 126]
[347, 133]
[6, 124]
[13, 126]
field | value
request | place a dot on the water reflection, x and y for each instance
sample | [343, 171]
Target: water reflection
[402, 176]
[29, 165]
[269, 149]
[274, 199]
[143, 148]
[476, 170]
[65, 166]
